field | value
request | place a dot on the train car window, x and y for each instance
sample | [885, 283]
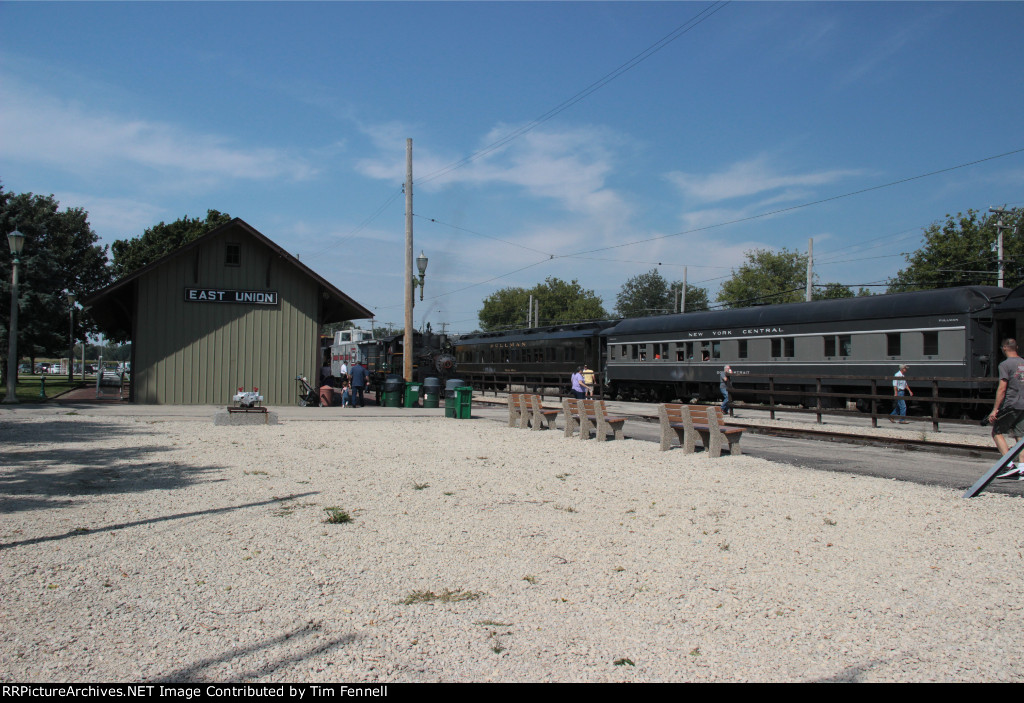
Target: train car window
[661, 351]
[776, 347]
[931, 343]
[892, 344]
[743, 349]
[716, 350]
[845, 345]
[787, 344]
[680, 354]
[830, 346]
[689, 350]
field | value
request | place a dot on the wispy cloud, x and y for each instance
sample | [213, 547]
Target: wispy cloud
[753, 177]
[568, 166]
[40, 128]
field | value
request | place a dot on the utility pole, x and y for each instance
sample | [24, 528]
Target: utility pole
[682, 293]
[407, 343]
[529, 314]
[1000, 211]
[810, 268]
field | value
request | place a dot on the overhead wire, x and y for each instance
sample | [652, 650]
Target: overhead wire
[679, 31]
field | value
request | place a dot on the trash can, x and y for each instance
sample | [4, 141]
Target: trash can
[326, 396]
[393, 387]
[463, 402]
[412, 394]
[449, 395]
[431, 392]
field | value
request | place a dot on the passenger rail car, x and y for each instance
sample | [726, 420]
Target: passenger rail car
[947, 333]
[541, 355]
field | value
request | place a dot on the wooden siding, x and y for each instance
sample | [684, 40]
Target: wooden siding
[200, 353]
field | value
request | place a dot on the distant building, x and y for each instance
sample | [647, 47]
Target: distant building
[231, 309]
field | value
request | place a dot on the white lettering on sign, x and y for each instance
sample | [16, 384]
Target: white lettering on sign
[214, 295]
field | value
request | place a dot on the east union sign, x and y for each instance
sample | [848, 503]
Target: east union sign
[218, 295]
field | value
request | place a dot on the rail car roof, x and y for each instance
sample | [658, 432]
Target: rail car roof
[1014, 301]
[965, 299]
[577, 329]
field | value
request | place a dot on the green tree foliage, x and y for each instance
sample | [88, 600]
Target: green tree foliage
[559, 302]
[159, 240]
[962, 251]
[766, 277]
[650, 294]
[643, 295]
[60, 254]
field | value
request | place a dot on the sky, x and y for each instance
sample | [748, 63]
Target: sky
[586, 141]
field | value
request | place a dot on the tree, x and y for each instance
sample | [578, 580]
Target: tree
[766, 277]
[696, 297]
[60, 255]
[650, 294]
[643, 295]
[159, 240]
[961, 251]
[559, 302]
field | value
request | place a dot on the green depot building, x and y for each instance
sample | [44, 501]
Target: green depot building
[228, 310]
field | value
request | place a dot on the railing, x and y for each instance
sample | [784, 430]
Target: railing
[540, 383]
[934, 400]
[982, 392]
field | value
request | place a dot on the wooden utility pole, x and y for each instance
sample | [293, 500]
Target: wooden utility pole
[810, 269]
[407, 344]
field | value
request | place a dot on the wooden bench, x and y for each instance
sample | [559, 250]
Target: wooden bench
[538, 414]
[688, 421]
[586, 415]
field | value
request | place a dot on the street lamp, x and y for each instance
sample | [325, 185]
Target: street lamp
[71, 339]
[421, 266]
[17, 241]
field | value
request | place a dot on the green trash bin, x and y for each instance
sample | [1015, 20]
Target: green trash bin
[412, 394]
[393, 386]
[450, 404]
[463, 402]
[431, 392]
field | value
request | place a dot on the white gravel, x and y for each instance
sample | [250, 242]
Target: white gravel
[178, 551]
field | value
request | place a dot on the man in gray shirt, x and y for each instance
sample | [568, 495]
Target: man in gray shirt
[1007, 416]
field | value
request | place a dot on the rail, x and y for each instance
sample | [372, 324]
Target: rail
[934, 400]
[778, 387]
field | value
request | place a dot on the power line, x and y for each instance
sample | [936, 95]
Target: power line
[679, 31]
[797, 207]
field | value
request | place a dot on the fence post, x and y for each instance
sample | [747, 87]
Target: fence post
[935, 405]
[874, 402]
[819, 399]
[771, 396]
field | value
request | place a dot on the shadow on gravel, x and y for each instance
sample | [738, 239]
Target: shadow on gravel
[41, 466]
[196, 673]
[851, 674]
[177, 516]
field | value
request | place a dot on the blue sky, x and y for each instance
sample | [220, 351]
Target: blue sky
[294, 116]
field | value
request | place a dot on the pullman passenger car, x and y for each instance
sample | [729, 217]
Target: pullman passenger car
[541, 355]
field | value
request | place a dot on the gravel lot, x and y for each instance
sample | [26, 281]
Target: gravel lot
[149, 550]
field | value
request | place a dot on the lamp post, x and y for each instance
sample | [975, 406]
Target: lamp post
[17, 241]
[71, 339]
[421, 266]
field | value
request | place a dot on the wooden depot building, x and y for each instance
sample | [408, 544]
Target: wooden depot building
[230, 309]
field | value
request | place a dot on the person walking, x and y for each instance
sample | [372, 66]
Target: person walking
[1007, 416]
[358, 375]
[726, 375]
[899, 389]
[588, 380]
[579, 386]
